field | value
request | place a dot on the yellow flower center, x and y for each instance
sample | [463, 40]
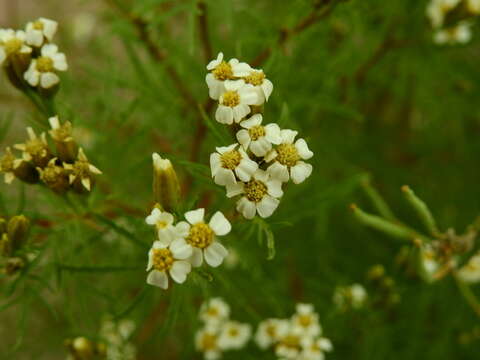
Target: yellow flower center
[291, 341]
[287, 154]
[161, 224]
[37, 149]
[255, 190]
[256, 132]
[271, 330]
[200, 236]
[6, 163]
[38, 25]
[209, 342]
[233, 332]
[55, 177]
[162, 259]
[223, 71]
[305, 320]
[230, 159]
[230, 98]
[44, 64]
[13, 46]
[255, 78]
[212, 311]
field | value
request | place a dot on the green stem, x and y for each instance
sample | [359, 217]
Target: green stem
[468, 295]
[422, 211]
[377, 200]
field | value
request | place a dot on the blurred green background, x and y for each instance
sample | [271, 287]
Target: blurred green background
[367, 89]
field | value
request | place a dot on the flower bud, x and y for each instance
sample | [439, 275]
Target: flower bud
[166, 188]
[66, 147]
[17, 230]
[81, 348]
[55, 177]
[13, 265]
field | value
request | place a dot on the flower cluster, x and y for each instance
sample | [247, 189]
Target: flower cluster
[219, 333]
[452, 20]
[297, 338]
[264, 157]
[116, 336]
[62, 168]
[30, 59]
[350, 297]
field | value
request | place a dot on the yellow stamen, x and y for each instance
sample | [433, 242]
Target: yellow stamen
[255, 190]
[209, 342]
[200, 236]
[230, 98]
[255, 78]
[287, 155]
[231, 159]
[38, 25]
[162, 259]
[13, 46]
[256, 132]
[223, 71]
[45, 64]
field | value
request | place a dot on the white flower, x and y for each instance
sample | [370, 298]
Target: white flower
[438, 9]
[470, 272]
[206, 341]
[258, 138]
[263, 86]
[222, 71]
[289, 346]
[11, 43]
[428, 261]
[353, 296]
[214, 311]
[458, 34]
[305, 321]
[164, 260]
[42, 71]
[163, 221]
[314, 349]
[39, 30]
[234, 102]
[228, 162]
[234, 335]
[473, 6]
[202, 237]
[270, 331]
[288, 158]
[260, 195]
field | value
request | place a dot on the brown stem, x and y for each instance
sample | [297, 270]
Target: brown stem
[203, 30]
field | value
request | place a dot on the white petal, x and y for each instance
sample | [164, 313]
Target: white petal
[278, 171]
[219, 224]
[240, 68]
[288, 136]
[60, 62]
[195, 216]
[303, 149]
[272, 133]
[215, 87]
[246, 208]
[215, 253]
[300, 172]
[275, 188]
[255, 120]
[225, 177]
[267, 206]
[240, 111]
[47, 80]
[150, 259]
[180, 249]
[180, 270]
[234, 85]
[49, 50]
[260, 147]
[153, 217]
[34, 37]
[224, 149]
[243, 138]
[261, 175]
[49, 28]
[158, 278]
[234, 189]
[248, 95]
[224, 115]
[271, 155]
[215, 163]
[245, 169]
[197, 257]
[182, 229]
[213, 64]
[267, 88]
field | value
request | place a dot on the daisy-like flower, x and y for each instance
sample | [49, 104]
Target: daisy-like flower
[438, 9]
[222, 71]
[315, 348]
[470, 272]
[206, 341]
[234, 335]
[229, 161]
[42, 70]
[305, 321]
[163, 221]
[270, 331]
[170, 260]
[263, 86]
[40, 30]
[81, 172]
[458, 34]
[289, 346]
[234, 102]
[202, 237]
[260, 195]
[35, 149]
[258, 138]
[12, 43]
[214, 311]
[288, 159]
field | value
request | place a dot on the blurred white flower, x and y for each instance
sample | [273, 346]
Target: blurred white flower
[270, 331]
[116, 335]
[289, 346]
[12, 43]
[260, 195]
[229, 162]
[258, 138]
[470, 272]
[438, 9]
[315, 348]
[473, 6]
[40, 30]
[458, 34]
[164, 260]
[206, 341]
[305, 321]
[234, 101]
[42, 70]
[214, 312]
[234, 335]
[202, 237]
[350, 297]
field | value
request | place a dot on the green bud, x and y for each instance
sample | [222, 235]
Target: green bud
[166, 188]
[17, 229]
[376, 272]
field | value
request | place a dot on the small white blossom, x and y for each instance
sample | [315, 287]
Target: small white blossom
[12, 42]
[202, 237]
[288, 159]
[262, 85]
[234, 102]
[353, 296]
[315, 348]
[438, 9]
[42, 70]
[206, 341]
[214, 312]
[39, 30]
[222, 71]
[458, 34]
[470, 272]
[234, 335]
[229, 163]
[270, 331]
[170, 260]
[305, 321]
[163, 221]
[258, 138]
[260, 195]
[289, 346]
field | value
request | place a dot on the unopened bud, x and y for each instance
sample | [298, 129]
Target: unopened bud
[166, 188]
[17, 230]
[55, 177]
[66, 147]
[81, 348]
[13, 265]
